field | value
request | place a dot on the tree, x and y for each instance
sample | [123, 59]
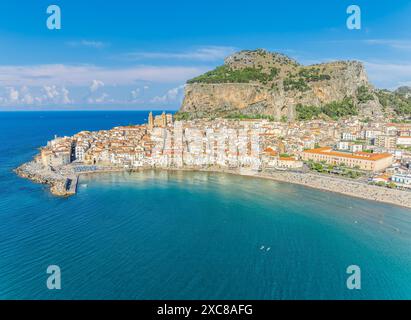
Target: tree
[307, 112]
[391, 185]
[364, 94]
[338, 109]
[182, 116]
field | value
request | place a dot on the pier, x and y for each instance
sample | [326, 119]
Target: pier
[71, 185]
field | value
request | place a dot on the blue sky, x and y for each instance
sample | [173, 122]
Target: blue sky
[138, 54]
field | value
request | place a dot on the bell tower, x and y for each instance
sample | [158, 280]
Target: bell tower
[150, 120]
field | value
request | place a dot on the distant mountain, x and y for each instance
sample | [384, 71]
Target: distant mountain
[258, 83]
[405, 91]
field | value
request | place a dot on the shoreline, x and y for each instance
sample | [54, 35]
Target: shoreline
[58, 182]
[359, 190]
[332, 184]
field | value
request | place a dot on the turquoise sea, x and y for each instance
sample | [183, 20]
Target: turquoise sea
[175, 235]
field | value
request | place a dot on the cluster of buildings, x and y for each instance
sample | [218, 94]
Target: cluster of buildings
[252, 144]
[381, 138]
[58, 152]
[361, 160]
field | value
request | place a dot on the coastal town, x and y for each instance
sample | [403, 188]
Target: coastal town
[260, 114]
[347, 154]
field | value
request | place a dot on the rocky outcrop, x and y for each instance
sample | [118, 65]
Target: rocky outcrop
[205, 100]
[264, 83]
[37, 173]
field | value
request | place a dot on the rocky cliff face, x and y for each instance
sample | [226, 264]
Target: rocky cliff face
[263, 83]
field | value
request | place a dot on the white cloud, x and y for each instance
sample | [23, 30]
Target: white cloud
[27, 97]
[208, 53]
[100, 99]
[393, 43]
[388, 75]
[88, 43]
[35, 96]
[51, 92]
[83, 75]
[55, 95]
[172, 95]
[13, 95]
[95, 85]
[135, 93]
[65, 96]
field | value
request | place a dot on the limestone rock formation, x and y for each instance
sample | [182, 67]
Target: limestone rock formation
[270, 84]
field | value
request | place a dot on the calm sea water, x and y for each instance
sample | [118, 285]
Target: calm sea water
[163, 235]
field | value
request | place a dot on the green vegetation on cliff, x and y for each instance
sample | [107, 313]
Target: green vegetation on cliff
[307, 112]
[240, 116]
[364, 94]
[334, 110]
[178, 116]
[400, 103]
[295, 84]
[224, 74]
[313, 74]
[300, 80]
[339, 109]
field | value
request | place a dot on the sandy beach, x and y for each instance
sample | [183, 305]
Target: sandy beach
[347, 187]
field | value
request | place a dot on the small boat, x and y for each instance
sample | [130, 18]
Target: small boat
[84, 185]
[262, 247]
[269, 248]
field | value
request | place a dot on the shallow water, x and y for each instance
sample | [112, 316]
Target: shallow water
[187, 235]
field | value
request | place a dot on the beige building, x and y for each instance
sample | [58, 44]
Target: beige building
[162, 120]
[51, 158]
[362, 160]
[387, 142]
[271, 159]
[150, 121]
[289, 163]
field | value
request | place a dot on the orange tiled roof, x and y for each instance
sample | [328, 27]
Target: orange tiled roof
[270, 151]
[384, 177]
[287, 159]
[358, 155]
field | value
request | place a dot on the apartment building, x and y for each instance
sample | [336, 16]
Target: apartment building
[362, 160]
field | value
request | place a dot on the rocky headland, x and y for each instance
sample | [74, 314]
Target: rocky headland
[267, 84]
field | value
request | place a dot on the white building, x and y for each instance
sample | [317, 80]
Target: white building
[80, 150]
[404, 141]
[343, 145]
[348, 136]
[356, 148]
[403, 180]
